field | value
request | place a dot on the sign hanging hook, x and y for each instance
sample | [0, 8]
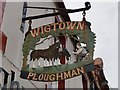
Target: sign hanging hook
[84, 13]
[30, 22]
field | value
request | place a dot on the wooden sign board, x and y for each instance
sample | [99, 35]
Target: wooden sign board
[57, 72]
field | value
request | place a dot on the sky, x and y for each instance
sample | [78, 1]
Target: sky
[104, 23]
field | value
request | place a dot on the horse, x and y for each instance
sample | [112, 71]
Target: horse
[46, 53]
[52, 53]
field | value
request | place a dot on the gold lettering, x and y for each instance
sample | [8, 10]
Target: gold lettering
[82, 69]
[42, 30]
[67, 74]
[30, 75]
[46, 77]
[71, 25]
[52, 77]
[78, 71]
[59, 77]
[54, 26]
[34, 77]
[80, 26]
[74, 73]
[40, 77]
[62, 26]
[47, 28]
[38, 30]
[35, 32]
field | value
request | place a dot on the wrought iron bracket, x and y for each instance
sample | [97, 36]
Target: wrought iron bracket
[87, 7]
[62, 10]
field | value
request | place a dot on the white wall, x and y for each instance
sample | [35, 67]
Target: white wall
[11, 28]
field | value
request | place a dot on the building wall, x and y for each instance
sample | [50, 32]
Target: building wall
[12, 59]
[11, 28]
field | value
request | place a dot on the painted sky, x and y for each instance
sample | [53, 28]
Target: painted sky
[104, 19]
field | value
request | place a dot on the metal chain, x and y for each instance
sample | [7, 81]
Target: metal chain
[30, 22]
[84, 13]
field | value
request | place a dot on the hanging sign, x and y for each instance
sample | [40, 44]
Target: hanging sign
[83, 63]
